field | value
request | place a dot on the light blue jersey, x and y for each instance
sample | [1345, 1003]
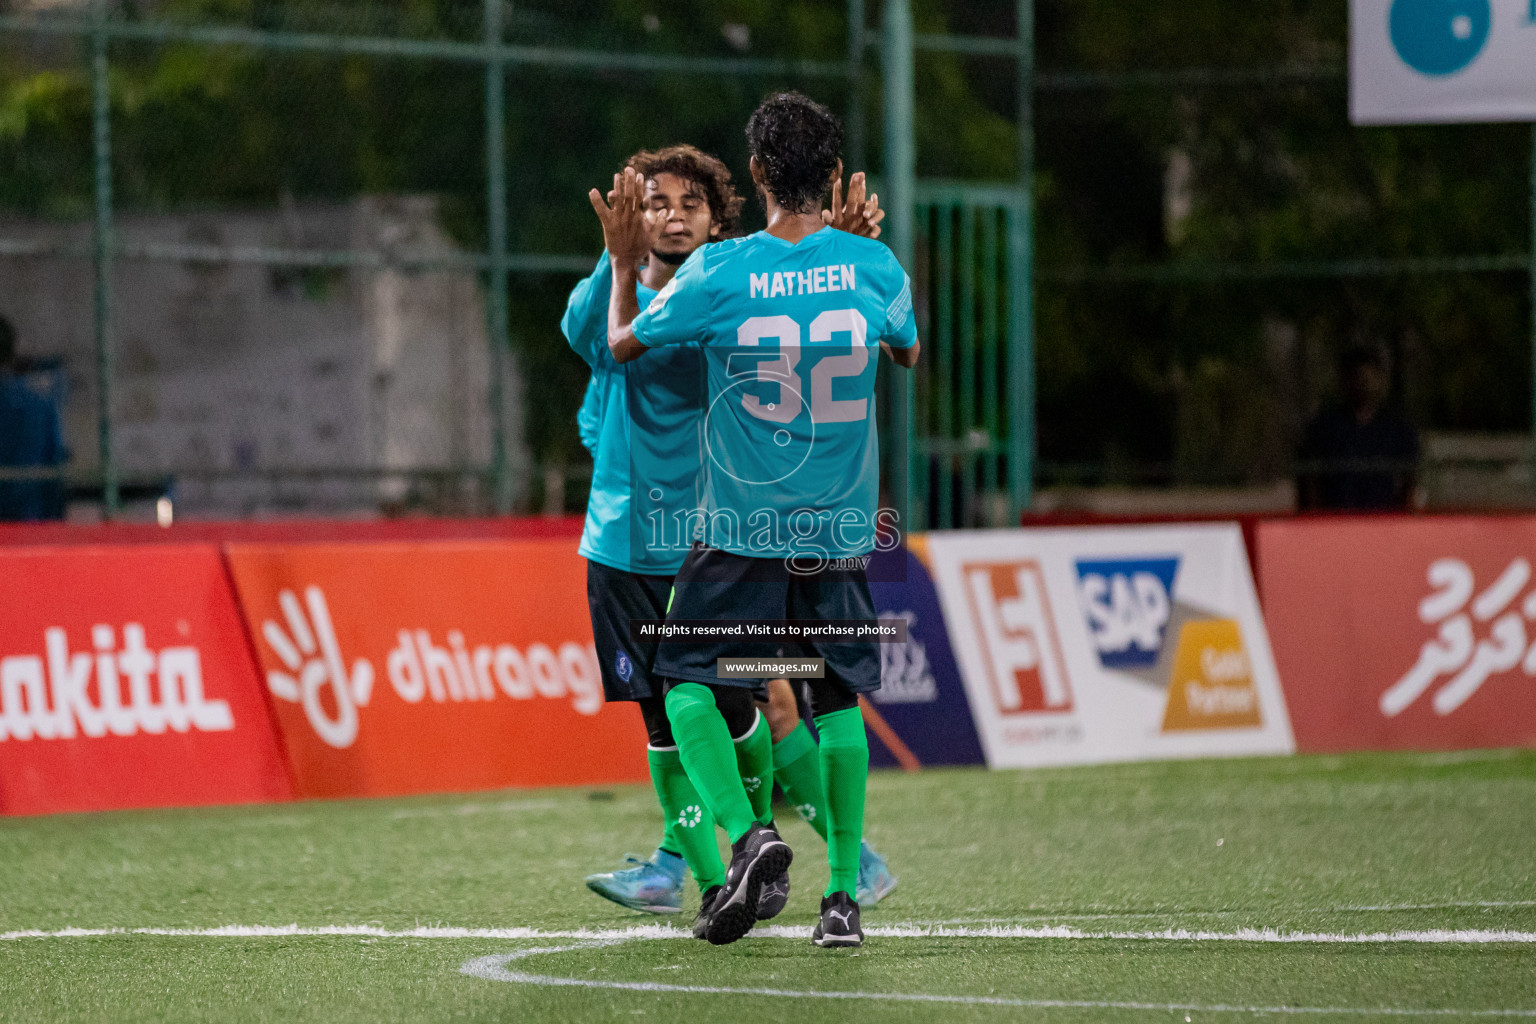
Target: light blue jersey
[590, 416]
[791, 336]
[645, 418]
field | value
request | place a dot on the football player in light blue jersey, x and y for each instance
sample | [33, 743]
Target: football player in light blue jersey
[788, 319]
[641, 423]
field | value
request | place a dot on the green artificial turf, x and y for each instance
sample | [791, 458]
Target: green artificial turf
[1331, 846]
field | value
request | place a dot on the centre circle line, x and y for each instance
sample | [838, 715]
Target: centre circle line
[496, 967]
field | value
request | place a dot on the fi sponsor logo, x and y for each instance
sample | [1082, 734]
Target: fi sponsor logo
[1131, 610]
[1017, 637]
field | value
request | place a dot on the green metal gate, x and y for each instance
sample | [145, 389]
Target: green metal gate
[972, 442]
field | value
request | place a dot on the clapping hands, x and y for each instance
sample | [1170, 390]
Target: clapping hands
[857, 215]
[629, 229]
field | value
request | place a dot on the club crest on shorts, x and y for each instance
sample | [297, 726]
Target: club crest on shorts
[623, 666]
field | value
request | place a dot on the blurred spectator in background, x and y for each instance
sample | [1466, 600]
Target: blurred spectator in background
[1360, 455]
[30, 438]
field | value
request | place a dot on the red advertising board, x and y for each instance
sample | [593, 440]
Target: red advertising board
[418, 667]
[126, 681]
[1411, 633]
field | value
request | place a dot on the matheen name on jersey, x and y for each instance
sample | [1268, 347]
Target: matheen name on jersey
[835, 278]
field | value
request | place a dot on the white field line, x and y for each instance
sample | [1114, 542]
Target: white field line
[1110, 915]
[498, 968]
[465, 810]
[916, 930]
[1458, 904]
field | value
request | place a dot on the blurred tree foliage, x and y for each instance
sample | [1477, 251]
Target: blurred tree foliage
[1185, 380]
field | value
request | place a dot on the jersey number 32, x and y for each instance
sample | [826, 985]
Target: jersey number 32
[782, 371]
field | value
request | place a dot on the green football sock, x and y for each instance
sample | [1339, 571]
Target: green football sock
[690, 828]
[844, 770]
[797, 770]
[754, 764]
[709, 757]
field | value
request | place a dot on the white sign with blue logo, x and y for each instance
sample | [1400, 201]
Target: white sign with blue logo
[1441, 61]
[1110, 644]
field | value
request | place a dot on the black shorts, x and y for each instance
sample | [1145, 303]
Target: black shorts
[715, 584]
[615, 597]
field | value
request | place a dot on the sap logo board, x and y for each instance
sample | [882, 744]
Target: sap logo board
[1127, 603]
[1440, 37]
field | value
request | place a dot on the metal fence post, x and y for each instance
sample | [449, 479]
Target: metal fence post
[855, 135]
[496, 217]
[101, 253]
[1021, 244]
[900, 171]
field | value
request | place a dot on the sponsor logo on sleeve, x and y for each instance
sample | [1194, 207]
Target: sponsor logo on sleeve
[661, 298]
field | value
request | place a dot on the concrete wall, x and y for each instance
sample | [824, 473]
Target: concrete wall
[229, 371]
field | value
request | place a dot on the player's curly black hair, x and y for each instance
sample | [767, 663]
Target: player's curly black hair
[712, 178]
[797, 142]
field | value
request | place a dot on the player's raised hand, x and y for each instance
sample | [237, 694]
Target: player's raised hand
[600, 206]
[856, 214]
[629, 230]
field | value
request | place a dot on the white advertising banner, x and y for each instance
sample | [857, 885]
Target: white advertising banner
[1440, 61]
[1110, 644]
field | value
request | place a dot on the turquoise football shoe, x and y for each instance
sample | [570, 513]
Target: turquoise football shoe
[875, 878]
[654, 886]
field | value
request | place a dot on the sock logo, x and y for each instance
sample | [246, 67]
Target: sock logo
[623, 666]
[807, 811]
[753, 783]
[690, 816]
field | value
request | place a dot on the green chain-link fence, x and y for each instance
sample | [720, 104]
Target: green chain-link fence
[271, 241]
